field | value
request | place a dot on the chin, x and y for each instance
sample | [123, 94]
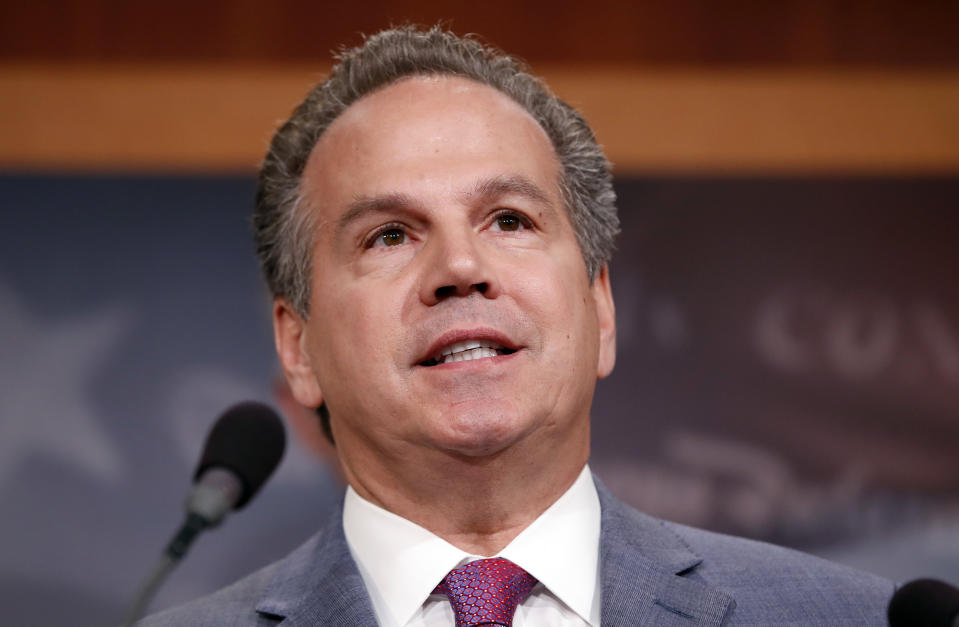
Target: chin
[481, 432]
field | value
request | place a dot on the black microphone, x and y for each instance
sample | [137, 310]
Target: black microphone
[242, 449]
[926, 602]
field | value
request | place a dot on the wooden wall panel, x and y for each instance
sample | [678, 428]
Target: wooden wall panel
[215, 119]
[669, 85]
[818, 33]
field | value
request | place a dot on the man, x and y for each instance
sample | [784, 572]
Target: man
[435, 228]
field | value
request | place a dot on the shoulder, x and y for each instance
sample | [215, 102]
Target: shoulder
[259, 598]
[765, 584]
[773, 583]
[233, 605]
[317, 584]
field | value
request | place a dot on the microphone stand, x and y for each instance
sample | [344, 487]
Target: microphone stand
[171, 556]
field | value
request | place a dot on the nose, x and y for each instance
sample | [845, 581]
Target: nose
[457, 263]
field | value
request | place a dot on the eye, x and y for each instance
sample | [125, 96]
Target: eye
[393, 237]
[509, 221]
[389, 236]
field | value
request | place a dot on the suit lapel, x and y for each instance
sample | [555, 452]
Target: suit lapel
[644, 568]
[319, 584]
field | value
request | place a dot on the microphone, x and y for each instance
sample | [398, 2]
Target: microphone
[925, 602]
[242, 450]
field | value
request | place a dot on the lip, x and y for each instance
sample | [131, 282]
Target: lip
[460, 335]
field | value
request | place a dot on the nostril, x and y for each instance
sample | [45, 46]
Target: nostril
[446, 290]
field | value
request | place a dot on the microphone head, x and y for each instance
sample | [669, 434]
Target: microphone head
[924, 602]
[248, 439]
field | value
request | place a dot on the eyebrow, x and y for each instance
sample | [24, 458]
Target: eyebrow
[375, 204]
[496, 187]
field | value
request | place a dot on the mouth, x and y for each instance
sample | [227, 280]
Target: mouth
[467, 350]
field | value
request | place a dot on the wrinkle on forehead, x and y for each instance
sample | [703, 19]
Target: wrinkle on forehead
[389, 125]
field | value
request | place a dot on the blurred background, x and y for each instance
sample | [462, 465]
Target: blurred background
[788, 315]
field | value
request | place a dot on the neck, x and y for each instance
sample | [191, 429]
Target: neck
[477, 504]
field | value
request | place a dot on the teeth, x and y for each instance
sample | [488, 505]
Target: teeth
[468, 350]
[459, 347]
[467, 355]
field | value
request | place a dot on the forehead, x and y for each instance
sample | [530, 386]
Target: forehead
[427, 132]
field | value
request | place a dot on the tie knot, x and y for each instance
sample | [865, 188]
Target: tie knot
[486, 592]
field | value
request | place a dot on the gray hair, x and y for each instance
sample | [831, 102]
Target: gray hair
[283, 227]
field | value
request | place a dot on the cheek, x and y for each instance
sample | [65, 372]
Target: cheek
[361, 321]
[559, 299]
[340, 324]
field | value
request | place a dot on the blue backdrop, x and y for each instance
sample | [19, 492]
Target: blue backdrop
[788, 369]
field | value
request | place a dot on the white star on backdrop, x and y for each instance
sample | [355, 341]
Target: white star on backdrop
[45, 370]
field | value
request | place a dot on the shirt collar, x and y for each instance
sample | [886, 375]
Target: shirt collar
[561, 548]
[401, 562]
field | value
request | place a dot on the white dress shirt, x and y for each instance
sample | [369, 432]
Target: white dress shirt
[401, 563]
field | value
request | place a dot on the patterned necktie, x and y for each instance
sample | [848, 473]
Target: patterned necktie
[486, 592]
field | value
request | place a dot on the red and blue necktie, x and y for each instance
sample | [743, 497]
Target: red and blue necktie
[486, 592]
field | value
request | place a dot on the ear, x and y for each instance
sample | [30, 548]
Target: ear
[289, 332]
[606, 315]
[305, 423]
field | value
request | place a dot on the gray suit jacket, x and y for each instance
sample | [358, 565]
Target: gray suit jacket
[653, 572]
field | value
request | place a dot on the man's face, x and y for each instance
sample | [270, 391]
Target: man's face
[440, 229]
